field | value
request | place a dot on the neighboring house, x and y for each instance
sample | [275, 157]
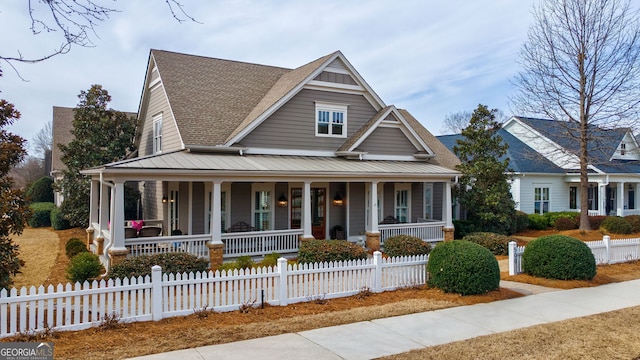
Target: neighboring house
[543, 155]
[257, 157]
[62, 125]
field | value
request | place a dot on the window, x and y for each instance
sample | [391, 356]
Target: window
[331, 120]
[541, 200]
[593, 197]
[296, 208]
[623, 148]
[262, 207]
[631, 195]
[402, 205]
[428, 201]
[157, 133]
[573, 197]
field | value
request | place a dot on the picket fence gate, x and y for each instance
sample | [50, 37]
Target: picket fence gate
[81, 306]
[605, 251]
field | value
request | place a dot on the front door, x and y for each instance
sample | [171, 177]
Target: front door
[318, 213]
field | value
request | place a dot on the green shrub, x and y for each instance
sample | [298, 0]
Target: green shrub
[553, 216]
[270, 260]
[245, 262]
[405, 245]
[496, 243]
[462, 228]
[228, 266]
[171, 263]
[463, 267]
[520, 222]
[84, 266]
[329, 250]
[74, 246]
[617, 225]
[634, 220]
[58, 222]
[41, 190]
[564, 223]
[41, 214]
[538, 222]
[596, 221]
[559, 257]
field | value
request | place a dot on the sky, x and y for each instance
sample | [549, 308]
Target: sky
[430, 57]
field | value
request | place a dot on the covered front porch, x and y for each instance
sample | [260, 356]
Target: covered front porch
[607, 195]
[245, 213]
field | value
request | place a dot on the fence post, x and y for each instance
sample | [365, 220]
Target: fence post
[377, 272]
[282, 286]
[512, 257]
[607, 245]
[156, 293]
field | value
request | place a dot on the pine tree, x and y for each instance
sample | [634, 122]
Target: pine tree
[483, 189]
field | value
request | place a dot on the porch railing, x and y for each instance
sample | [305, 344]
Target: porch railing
[257, 243]
[427, 231]
[192, 244]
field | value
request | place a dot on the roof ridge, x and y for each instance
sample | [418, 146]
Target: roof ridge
[219, 59]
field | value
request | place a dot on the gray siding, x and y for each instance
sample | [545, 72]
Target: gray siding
[240, 203]
[293, 126]
[388, 206]
[281, 221]
[337, 64]
[417, 201]
[438, 198]
[170, 138]
[356, 209]
[335, 78]
[388, 141]
[152, 200]
[198, 208]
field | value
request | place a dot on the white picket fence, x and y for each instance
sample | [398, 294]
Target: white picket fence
[605, 251]
[81, 306]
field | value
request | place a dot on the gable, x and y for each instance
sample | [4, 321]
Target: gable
[388, 141]
[627, 148]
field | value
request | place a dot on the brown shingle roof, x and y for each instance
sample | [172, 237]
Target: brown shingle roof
[211, 97]
[444, 157]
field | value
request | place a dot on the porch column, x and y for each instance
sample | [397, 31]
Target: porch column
[446, 211]
[306, 212]
[620, 199]
[94, 211]
[372, 240]
[190, 210]
[117, 251]
[103, 217]
[216, 246]
[602, 206]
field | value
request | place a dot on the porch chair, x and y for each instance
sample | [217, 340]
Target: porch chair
[390, 220]
[150, 231]
[240, 226]
[130, 232]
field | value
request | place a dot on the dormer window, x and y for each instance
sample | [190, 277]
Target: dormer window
[157, 133]
[331, 120]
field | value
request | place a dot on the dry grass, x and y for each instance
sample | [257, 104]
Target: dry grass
[39, 249]
[612, 335]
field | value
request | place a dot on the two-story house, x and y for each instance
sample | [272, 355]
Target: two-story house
[237, 159]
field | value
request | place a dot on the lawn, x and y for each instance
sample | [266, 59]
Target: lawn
[136, 339]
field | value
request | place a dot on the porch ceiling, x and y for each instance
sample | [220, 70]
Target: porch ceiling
[209, 163]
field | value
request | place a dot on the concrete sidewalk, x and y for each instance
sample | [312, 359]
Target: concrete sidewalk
[376, 338]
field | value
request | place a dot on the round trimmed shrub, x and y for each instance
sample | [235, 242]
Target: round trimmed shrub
[463, 267]
[84, 266]
[405, 245]
[538, 222]
[520, 221]
[58, 221]
[617, 225]
[313, 251]
[74, 246]
[41, 190]
[596, 221]
[496, 243]
[171, 263]
[563, 223]
[559, 257]
[41, 214]
[634, 220]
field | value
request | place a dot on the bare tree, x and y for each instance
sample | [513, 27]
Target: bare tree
[580, 67]
[43, 141]
[76, 20]
[454, 123]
